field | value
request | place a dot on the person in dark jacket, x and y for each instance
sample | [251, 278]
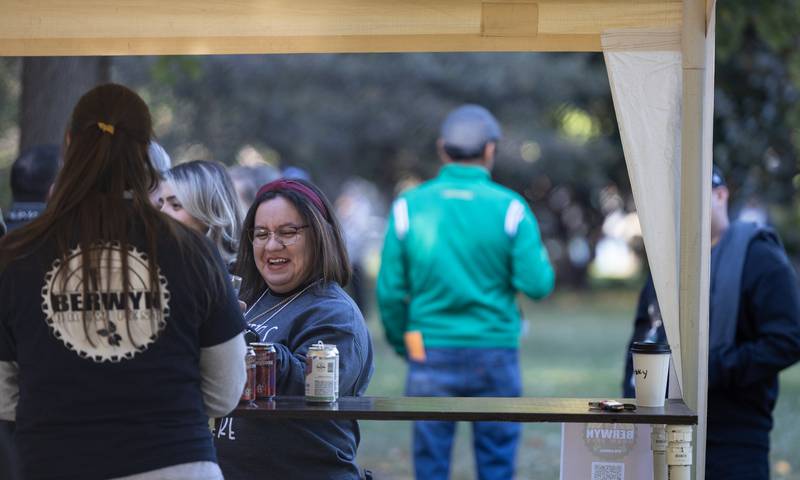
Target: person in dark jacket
[293, 265]
[754, 333]
[32, 174]
[647, 327]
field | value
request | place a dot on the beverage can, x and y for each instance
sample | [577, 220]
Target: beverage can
[265, 369]
[322, 373]
[332, 350]
[249, 392]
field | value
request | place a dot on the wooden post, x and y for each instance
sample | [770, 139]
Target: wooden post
[695, 196]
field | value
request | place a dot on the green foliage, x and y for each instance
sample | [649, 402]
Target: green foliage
[777, 24]
[757, 107]
[168, 71]
[9, 91]
[9, 114]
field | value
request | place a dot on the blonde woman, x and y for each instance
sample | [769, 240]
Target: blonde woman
[200, 195]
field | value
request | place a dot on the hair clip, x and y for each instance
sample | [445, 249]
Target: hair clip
[106, 127]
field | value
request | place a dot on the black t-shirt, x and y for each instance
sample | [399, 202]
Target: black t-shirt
[105, 394]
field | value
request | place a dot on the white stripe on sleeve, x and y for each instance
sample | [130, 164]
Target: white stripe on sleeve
[400, 212]
[514, 215]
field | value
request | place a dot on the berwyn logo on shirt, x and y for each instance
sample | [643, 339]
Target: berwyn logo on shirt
[78, 302]
[95, 324]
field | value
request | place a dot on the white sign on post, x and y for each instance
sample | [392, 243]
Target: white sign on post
[605, 451]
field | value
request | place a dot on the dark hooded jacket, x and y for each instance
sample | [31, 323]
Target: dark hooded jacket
[754, 333]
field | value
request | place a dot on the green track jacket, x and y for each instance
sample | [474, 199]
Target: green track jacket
[457, 250]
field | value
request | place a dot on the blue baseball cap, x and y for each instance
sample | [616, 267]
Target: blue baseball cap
[466, 131]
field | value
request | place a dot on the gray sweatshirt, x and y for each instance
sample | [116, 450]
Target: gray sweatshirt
[248, 448]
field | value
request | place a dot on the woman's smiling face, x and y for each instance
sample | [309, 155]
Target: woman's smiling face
[283, 267]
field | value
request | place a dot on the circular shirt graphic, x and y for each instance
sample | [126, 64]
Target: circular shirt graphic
[94, 324]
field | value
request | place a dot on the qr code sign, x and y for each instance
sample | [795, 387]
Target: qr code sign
[608, 471]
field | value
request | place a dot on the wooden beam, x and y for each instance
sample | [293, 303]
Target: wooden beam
[293, 44]
[629, 40]
[139, 27]
[510, 19]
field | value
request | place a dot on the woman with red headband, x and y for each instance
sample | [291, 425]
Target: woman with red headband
[293, 265]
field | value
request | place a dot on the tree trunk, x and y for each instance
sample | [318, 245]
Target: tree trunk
[51, 86]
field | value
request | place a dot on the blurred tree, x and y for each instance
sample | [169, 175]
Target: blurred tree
[51, 86]
[757, 107]
[376, 116]
[9, 118]
[9, 93]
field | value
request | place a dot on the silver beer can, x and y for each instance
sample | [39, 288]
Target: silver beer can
[322, 373]
[335, 352]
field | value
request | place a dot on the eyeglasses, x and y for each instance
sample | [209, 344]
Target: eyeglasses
[285, 235]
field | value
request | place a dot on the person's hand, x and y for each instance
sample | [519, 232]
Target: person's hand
[243, 306]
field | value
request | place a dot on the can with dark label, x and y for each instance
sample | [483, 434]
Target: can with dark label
[265, 370]
[249, 392]
[322, 373]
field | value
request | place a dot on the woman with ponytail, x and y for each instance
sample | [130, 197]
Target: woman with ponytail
[119, 334]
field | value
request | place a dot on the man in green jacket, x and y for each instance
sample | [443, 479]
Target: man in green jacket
[458, 249]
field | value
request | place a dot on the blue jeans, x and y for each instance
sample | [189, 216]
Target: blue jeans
[465, 372]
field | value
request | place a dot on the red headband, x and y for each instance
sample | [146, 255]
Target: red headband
[294, 186]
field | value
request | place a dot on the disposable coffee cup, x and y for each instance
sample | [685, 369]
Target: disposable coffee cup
[650, 372]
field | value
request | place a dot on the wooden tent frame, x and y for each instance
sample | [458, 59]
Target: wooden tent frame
[203, 27]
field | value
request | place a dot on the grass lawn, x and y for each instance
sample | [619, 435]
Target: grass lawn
[573, 347]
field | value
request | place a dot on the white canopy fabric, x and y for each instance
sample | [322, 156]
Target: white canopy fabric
[646, 88]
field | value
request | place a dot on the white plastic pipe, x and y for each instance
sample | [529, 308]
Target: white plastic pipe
[658, 443]
[679, 452]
